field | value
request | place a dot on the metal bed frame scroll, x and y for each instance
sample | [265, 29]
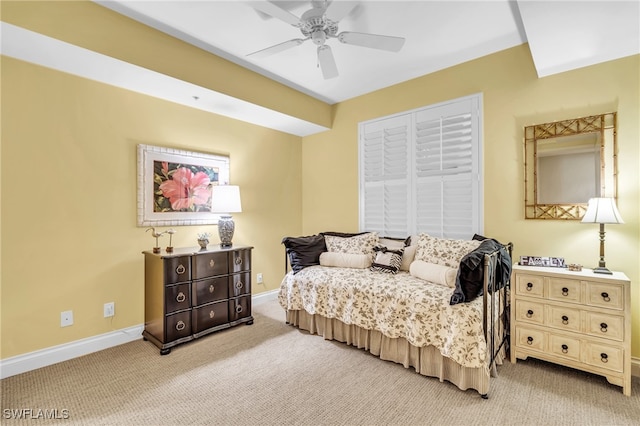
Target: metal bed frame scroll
[495, 307]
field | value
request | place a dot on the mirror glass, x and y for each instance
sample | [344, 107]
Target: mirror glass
[567, 163]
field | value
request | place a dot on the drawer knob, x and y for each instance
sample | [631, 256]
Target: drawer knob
[212, 288]
[239, 309]
[212, 314]
[565, 291]
[529, 340]
[565, 349]
[180, 269]
[238, 260]
[212, 263]
[239, 285]
[529, 286]
[603, 327]
[181, 297]
[604, 357]
[565, 319]
[529, 313]
[180, 325]
[606, 297]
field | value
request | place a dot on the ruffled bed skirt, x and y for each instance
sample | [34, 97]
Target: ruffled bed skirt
[426, 360]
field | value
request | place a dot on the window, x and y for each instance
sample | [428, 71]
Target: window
[420, 171]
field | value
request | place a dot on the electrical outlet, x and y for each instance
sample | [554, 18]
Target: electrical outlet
[66, 318]
[259, 277]
[109, 309]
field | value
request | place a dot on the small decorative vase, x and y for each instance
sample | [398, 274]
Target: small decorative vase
[203, 243]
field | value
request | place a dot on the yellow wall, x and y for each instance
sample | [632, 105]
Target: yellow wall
[69, 234]
[513, 98]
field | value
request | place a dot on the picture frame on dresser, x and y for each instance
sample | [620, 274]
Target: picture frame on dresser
[160, 194]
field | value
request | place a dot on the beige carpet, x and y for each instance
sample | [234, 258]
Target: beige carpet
[272, 374]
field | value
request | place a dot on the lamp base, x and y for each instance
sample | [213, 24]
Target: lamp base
[226, 226]
[602, 270]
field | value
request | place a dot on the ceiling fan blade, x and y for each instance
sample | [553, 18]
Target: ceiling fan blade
[277, 48]
[275, 11]
[327, 62]
[375, 41]
[337, 10]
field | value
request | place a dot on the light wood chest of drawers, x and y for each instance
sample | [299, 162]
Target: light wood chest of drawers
[577, 319]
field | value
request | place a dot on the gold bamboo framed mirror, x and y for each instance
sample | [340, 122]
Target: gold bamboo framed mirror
[568, 162]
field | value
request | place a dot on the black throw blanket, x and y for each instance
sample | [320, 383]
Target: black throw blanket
[470, 278]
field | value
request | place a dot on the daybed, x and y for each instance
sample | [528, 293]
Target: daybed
[439, 306]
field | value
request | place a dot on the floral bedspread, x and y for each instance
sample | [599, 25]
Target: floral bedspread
[396, 305]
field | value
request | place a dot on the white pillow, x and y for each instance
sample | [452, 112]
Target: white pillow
[438, 274]
[345, 260]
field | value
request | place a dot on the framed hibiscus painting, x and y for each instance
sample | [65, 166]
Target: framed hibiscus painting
[174, 186]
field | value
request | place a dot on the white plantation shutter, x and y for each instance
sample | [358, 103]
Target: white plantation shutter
[420, 171]
[384, 176]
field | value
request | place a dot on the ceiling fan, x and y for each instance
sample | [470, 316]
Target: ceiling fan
[319, 24]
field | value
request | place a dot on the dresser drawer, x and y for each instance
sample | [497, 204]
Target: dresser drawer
[604, 325]
[529, 312]
[239, 261]
[178, 325]
[210, 290]
[605, 356]
[239, 307]
[566, 347]
[565, 290]
[177, 297]
[177, 269]
[239, 284]
[563, 317]
[530, 338]
[209, 265]
[605, 295]
[531, 285]
[210, 315]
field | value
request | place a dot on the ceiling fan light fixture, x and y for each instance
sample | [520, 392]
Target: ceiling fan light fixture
[318, 37]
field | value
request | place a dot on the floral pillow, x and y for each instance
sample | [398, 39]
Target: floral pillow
[357, 244]
[443, 251]
[387, 260]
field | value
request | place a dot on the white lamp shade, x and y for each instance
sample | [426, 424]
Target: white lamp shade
[225, 199]
[602, 210]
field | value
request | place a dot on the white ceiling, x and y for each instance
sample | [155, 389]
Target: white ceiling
[562, 35]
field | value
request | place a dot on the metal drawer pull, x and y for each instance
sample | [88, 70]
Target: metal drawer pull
[238, 309]
[606, 297]
[529, 340]
[238, 260]
[239, 285]
[212, 314]
[603, 327]
[180, 269]
[565, 291]
[565, 349]
[212, 263]
[529, 286]
[180, 325]
[211, 288]
[565, 319]
[529, 313]
[181, 297]
[604, 357]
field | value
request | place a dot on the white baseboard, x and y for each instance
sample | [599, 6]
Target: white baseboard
[55, 354]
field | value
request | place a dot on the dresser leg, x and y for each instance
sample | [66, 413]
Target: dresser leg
[485, 396]
[165, 351]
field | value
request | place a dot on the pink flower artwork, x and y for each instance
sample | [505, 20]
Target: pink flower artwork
[182, 188]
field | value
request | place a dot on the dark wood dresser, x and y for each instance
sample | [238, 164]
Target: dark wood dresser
[192, 292]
